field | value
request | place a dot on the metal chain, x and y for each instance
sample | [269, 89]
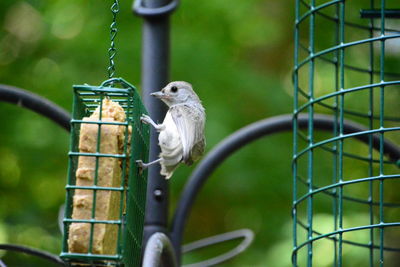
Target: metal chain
[113, 33]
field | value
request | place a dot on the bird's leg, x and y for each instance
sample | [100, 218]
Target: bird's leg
[144, 166]
[146, 119]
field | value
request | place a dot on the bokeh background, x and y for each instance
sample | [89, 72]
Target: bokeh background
[237, 54]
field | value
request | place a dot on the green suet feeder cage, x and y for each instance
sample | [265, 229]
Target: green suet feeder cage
[131, 192]
[346, 208]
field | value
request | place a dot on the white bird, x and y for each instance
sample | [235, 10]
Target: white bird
[181, 137]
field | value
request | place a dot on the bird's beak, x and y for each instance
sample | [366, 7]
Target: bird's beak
[158, 94]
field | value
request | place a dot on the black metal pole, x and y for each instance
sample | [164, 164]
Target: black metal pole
[155, 75]
[155, 62]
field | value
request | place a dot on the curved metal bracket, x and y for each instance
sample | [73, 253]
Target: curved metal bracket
[245, 136]
[141, 10]
[36, 103]
[246, 234]
[159, 252]
[33, 252]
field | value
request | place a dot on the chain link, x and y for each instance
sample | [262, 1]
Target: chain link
[113, 33]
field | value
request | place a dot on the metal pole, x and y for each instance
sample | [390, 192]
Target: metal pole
[155, 75]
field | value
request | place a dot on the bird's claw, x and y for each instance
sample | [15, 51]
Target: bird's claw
[140, 164]
[145, 119]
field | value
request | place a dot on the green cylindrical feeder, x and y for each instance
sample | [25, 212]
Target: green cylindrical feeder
[346, 208]
[132, 190]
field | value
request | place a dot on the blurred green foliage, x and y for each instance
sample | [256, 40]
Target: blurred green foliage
[238, 55]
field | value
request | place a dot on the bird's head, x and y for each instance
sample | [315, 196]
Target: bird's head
[177, 93]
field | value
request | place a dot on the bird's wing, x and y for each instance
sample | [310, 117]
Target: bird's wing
[189, 121]
[198, 150]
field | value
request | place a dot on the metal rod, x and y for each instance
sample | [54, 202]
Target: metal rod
[377, 13]
[245, 136]
[159, 252]
[155, 75]
[33, 252]
[246, 234]
[36, 103]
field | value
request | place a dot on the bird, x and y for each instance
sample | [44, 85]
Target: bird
[181, 134]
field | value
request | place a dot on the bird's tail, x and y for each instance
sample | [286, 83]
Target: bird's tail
[167, 171]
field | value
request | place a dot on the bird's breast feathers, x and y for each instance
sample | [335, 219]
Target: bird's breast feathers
[169, 137]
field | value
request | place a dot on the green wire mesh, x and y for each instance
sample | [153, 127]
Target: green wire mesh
[346, 208]
[133, 181]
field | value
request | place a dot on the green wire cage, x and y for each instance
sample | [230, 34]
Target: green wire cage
[346, 206]
[130, 192]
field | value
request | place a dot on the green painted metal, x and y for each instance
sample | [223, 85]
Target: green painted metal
[134, 182]
[327, 33]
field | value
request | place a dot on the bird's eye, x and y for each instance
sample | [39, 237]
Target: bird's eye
[174, 89]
